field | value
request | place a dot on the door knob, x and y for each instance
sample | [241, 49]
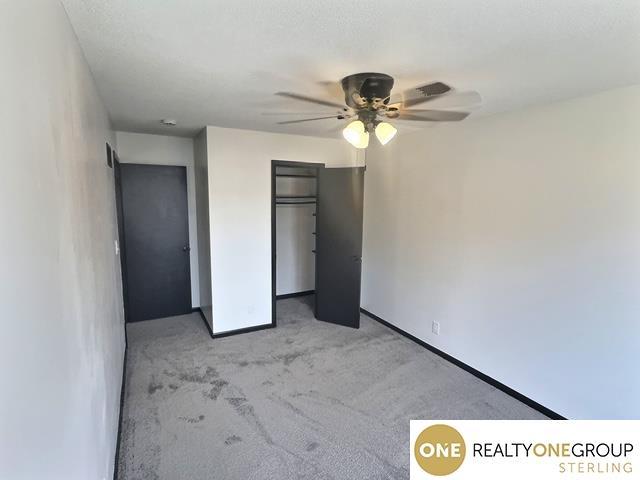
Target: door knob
[186, 249]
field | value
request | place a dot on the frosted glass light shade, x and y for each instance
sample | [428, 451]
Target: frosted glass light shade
[385, 132]
[355, 134]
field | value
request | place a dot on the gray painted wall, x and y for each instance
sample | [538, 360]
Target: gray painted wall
[165, 150]
[519, 233]
[62, 341]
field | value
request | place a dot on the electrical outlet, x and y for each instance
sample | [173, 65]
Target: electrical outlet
[435, 327]
[115, 242]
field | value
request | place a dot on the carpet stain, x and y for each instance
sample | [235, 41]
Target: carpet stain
[197, 419]
[195, 376]
[154, 386]
[236, 402]
[312, 446]
[246, 411]
[216, 389]
[256, 363]
[289, 358]
[232, 440]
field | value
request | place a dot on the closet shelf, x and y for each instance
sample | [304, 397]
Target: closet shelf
[295, 199]
[286, 197]
[295, 175]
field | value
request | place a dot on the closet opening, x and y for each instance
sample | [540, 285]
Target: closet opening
[294, 187]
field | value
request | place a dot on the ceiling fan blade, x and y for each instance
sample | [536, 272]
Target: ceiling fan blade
[421, 94]
[304, 98]
[453, 99]
[306, 120]
[431, 89]
[434, 116]
[295, 113]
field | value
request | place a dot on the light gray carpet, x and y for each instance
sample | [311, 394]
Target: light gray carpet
[305, 400]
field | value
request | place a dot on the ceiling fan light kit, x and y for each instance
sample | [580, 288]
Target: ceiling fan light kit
[369, 102]
[385, 132]
[356, 134]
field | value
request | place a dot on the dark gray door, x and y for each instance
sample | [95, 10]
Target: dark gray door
[339, 245]
[156, 235]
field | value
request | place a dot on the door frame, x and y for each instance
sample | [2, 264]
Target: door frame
[274, 165]
[120, 226]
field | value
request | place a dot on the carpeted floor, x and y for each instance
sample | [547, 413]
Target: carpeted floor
[305, 400]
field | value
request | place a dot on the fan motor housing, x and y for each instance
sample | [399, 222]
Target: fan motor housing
[368, 86]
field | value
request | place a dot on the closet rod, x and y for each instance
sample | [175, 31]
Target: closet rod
[295, 203]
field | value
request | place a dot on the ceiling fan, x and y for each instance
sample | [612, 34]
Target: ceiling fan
[369, 102]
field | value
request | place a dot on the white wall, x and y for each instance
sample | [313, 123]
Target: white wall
[62, 341]
[201, 174]
[166, 150]
[520, 234]
[240, 214]
[295, 242]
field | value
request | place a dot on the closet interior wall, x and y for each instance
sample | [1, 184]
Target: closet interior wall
[295, 229]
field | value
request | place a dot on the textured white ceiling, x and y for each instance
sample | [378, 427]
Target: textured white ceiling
[207, 62]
